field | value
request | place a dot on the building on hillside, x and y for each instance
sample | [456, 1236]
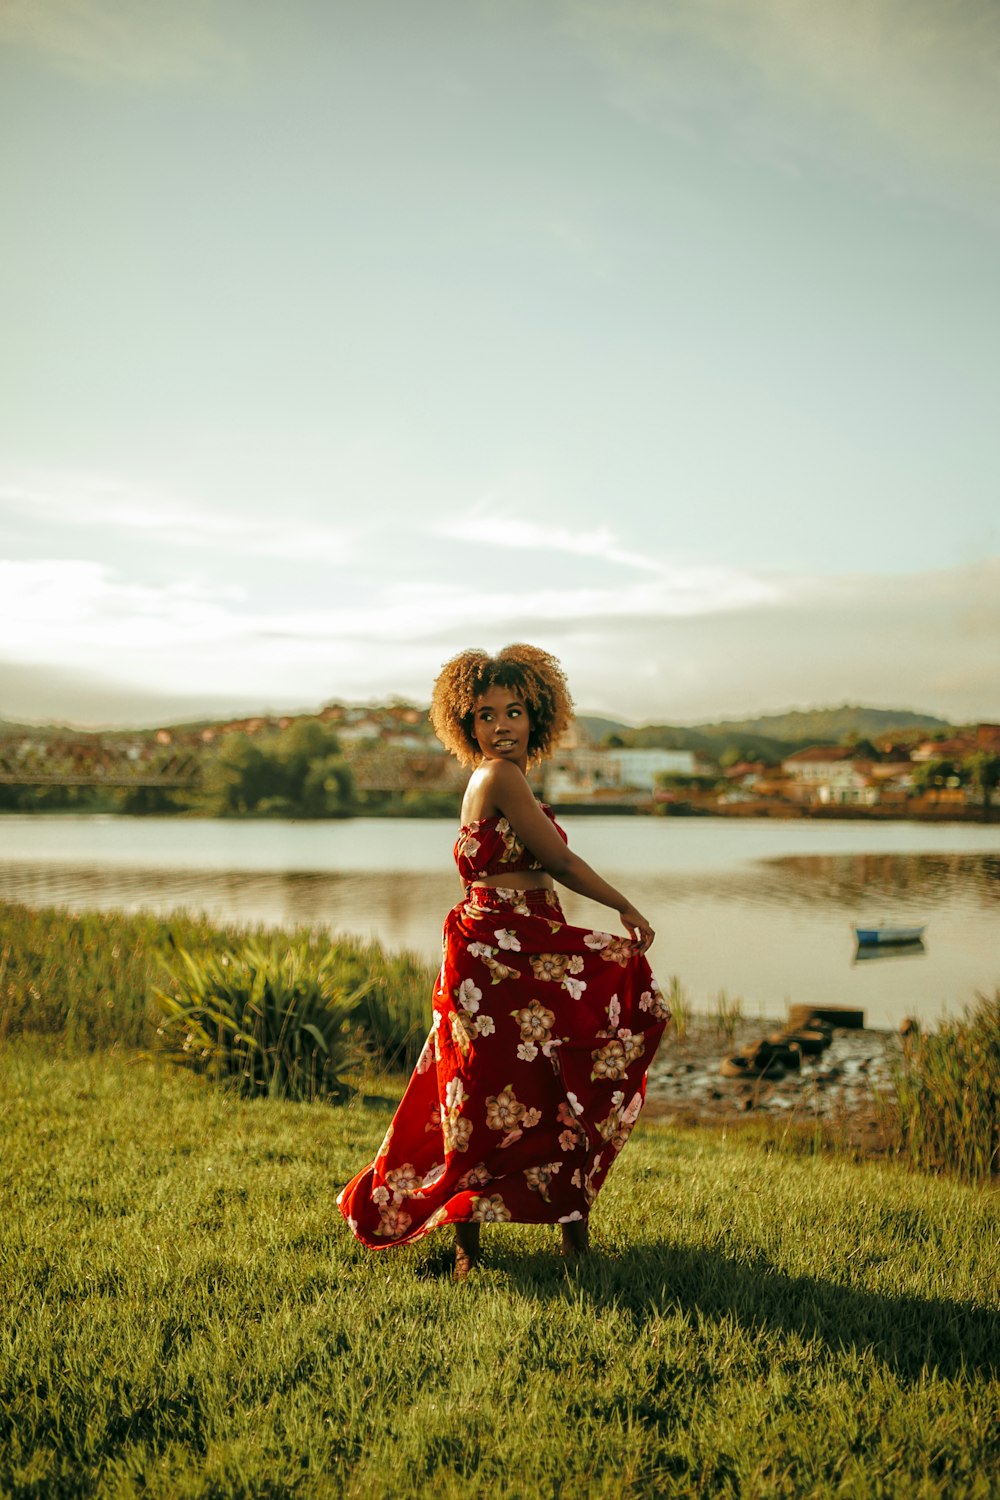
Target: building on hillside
[834, 775]
[956, 748]
[578, 774]
[574, 737]
[397, 724]
[893, 779]
[362, 728]
[817, 763]
[983, 739]
[893, 749]
[850, 786]
[588, 773]
[401, 740]
[259, 724]
[638, 769]
[403, 713]
[746, 775]
[830, 775]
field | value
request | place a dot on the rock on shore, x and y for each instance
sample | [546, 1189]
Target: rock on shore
[837, 1085]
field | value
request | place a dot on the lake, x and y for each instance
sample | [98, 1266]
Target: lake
[758, 907]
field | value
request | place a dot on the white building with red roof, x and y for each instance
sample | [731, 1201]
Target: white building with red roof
[818, 763]
[831, 774]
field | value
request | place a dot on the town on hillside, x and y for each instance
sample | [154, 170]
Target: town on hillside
[384, 758]
[927, 777]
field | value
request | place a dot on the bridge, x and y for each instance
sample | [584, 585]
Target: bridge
[395, 770]
[104, 761]
[95, 761]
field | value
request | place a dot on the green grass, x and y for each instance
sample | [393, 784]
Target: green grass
[89, 979]
[946, 1112]
[183, 1313]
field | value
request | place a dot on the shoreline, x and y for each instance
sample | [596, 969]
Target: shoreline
[835, 1088]
[763, 812]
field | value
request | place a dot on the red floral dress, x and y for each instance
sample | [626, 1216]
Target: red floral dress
[533, 1073]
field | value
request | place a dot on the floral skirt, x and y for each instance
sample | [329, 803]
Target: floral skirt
[530, 1080]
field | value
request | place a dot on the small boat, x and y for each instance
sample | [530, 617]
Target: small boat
[884, 952]
[886, 935]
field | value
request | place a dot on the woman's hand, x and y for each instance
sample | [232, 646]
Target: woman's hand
[638, 928]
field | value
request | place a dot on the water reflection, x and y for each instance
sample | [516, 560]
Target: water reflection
[773, 930]
[893, 950]
[401, 911]
[860, 879]
[855, 882]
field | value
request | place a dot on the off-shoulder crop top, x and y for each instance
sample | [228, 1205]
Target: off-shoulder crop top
[491, 847]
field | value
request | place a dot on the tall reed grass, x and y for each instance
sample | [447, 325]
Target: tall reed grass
[89, 980]
[269, 1019]
[680, 1007]
[946, 1110]
[728, 1014]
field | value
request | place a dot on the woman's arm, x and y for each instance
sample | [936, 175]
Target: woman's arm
[513, 796]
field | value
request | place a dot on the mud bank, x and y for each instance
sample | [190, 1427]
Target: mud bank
[840, 1086]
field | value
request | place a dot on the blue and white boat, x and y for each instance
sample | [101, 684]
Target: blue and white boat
[889, 935]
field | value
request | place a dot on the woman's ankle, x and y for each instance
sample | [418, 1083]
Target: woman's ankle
[466, 1249]
[576, 1238]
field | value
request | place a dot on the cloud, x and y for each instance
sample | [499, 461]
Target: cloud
[883, 82]
[504, 531]
[93, 503]
[670, 588]
[55, 610]
[59, 609]
[929, 641]
[36, 694]
[164, 41]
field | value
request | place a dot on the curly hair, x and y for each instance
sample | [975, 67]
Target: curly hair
[532, 673]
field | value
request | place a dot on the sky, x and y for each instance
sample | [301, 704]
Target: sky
[340, 335]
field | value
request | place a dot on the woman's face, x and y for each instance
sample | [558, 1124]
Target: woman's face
[501, 726]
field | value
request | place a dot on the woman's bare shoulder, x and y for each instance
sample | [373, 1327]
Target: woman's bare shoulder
[490, 790]
[512, 792]
[479, 800]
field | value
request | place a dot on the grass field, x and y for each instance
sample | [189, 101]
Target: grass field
[183, 1313]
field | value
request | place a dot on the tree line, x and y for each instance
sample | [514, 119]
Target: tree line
[296, 772]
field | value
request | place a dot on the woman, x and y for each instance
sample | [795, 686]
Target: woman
[534, 1071]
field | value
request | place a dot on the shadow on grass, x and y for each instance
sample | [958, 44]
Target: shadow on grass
[380, 1103]
[912, 1335]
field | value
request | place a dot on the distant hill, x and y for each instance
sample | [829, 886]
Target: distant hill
[773, 736]
[769, 737]
[598, 727]
[830, 725]
[11, 726]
